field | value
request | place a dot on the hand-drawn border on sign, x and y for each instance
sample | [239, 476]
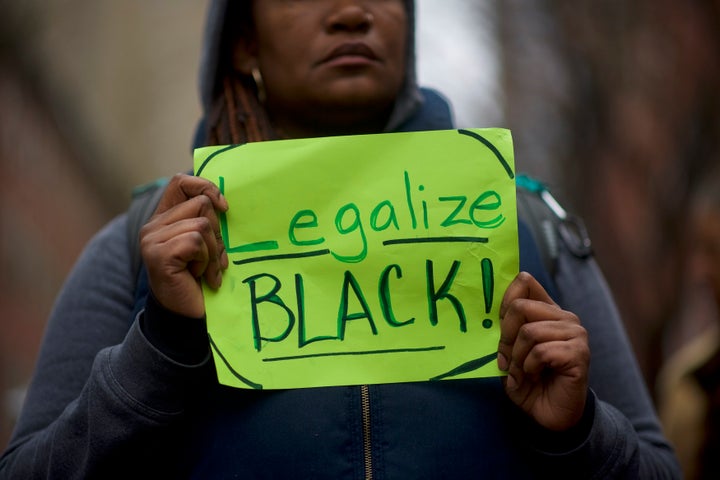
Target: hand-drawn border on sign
[466, 367]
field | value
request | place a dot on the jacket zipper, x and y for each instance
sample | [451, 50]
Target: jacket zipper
[367, 441]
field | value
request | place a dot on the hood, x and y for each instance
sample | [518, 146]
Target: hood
[215, 37]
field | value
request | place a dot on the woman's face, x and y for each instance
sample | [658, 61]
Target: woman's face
[329, 62]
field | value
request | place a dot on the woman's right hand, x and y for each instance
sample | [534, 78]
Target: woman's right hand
[181, 244]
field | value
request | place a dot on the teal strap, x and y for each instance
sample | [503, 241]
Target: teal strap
[571, 228]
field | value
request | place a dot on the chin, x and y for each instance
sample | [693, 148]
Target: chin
[356, 97]
[357, 90]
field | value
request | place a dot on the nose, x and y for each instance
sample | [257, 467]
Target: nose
[349, 16]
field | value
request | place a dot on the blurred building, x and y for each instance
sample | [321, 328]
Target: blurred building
[96, 96]
[49, 206]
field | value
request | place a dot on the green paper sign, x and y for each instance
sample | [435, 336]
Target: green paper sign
[362, 259]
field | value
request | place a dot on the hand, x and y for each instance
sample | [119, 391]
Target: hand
[181, 244]
[545, 351]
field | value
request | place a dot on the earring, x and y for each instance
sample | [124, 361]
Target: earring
[259, 84]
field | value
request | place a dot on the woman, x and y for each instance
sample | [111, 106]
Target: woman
[121, 396]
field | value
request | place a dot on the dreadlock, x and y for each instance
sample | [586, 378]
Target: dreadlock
[237, 116]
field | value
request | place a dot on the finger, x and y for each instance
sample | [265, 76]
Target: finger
[174, 268]
[522, 311]
[566, 361]
[534, 334]
[183, 187]
[188, 243]
[208, 224]
[569, 358]
[524, 285]
[528, 336]
[199, 266]
[552, 383]
[213, 240]
[191, 249]
[173, 247]
[519, 313]
[207, 263]
[534, 338]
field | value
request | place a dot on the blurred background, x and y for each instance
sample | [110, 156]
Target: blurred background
[615, 104]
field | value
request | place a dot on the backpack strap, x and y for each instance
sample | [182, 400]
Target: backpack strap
[550, 223]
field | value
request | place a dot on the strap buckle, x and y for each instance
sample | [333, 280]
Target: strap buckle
[571, 227]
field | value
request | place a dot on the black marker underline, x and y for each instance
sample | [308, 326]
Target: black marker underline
[398, 241]
[315, 253]
[367, 352]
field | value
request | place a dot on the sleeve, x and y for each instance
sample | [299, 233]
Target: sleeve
[624, 437]
[103, 401]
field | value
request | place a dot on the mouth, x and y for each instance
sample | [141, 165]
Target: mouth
[349, 51]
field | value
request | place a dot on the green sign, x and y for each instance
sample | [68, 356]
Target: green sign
[362, 259]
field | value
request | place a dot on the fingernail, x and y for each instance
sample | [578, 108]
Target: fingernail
[502, 362]
[510, 383]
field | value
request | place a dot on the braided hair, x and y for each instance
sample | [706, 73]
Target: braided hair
[236, 114]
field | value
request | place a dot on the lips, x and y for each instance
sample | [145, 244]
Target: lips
[350, 50]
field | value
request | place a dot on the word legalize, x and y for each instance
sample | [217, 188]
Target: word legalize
[362, 259]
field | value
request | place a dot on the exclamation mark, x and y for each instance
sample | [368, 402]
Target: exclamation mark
[488, 279]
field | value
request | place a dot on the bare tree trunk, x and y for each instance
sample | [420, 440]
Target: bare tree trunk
[632, 109]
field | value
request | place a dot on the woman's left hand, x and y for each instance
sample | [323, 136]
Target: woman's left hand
[545, 352]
